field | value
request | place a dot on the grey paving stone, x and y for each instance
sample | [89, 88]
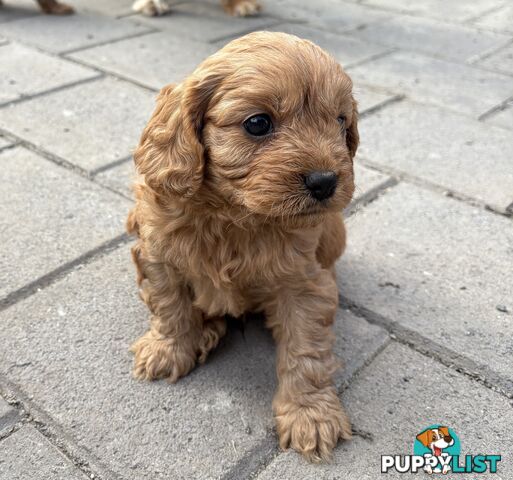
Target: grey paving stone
[8, 417]
[4, 142]
[89, 125]
[369, 99]
[458, 87]
[332, 15]
[454, 42]
[165, 58]
[50, 216]
[119, 178]
[501, 61]
[454, 10]
[15, 9]
[70, 32]
[27, 455]
[367, 180]
[205, 22]
[70, 343]
[28, 71]
[113, 8]
[503, 118]
[500, 20]
[457, 153]
[345, 49]
[438, 267]
[395, 398]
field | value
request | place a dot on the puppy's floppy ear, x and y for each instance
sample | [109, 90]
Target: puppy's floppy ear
[352, 136]
[170, 154]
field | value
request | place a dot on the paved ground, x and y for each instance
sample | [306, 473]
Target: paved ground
[425, 326]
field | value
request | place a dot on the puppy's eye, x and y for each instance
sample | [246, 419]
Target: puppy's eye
[258, 125]
[342, 121]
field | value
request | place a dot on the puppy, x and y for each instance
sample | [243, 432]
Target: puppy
[437, 440]
[244, 169]
[237, 8]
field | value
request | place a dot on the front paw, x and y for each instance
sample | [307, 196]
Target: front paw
[157, 357]
[312, 430]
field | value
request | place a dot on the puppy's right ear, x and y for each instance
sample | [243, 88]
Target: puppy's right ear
[170, 153]
[424, 438]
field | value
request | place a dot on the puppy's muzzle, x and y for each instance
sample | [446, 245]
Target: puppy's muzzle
[321, 184]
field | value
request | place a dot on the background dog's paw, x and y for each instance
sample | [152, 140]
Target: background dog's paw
[160, 357]
[52, 7]
[313, 431]
[152, 8]
[244, 8]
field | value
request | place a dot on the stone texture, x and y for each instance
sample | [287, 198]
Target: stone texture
[77, 31]
[8, 417]
[369, 99]
[166, 58]
[328, 15]
[50, 216]
[204, 21]
[119, 178]
[89, 125]
[457, 154]
[503, 118]
[218, 413]
[114, 8]
[501, 61]
[453, 10]
[454, 86]
[438, 267]
[397, 396]
[367, 180]
[27, 455]
[346, 50]
[28, 71]
[4, 142]
[500, 20]
[454, 42]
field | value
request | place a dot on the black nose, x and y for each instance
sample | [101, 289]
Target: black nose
[322, 185]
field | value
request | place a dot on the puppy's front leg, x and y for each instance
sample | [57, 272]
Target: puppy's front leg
[309, 416]
[169, 349]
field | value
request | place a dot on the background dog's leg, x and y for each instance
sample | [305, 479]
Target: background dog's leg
[241, 8]
[152, 8]
[170, 348]
[54, 7]
[309, 416]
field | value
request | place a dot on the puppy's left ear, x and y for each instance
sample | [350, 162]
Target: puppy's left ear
[171, 154]
[352, 136]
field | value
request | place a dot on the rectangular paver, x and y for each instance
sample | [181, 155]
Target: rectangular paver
[89, 125]
[76, 31]
[437, 266]
[458, 87]
[166, 58]
[50, 216]
[28, 71]
[399, 395]
[73, 337]
[503, 118]
[453, 10]
[500, 20]
[328, 15]
[204, 21]
[28, 455]
[345, 49]
[448, 149]
[370, 99]
[445, 40]
[501, 61]
[367, 181]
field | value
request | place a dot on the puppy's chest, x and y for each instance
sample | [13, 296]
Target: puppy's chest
[233, 273]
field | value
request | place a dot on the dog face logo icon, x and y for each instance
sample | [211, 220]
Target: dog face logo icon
[436, 439]
[438, 444]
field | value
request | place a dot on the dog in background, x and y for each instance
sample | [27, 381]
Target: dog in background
[244, 170]
[237, 8]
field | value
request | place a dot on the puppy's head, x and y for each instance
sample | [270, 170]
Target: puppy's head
[267, 126]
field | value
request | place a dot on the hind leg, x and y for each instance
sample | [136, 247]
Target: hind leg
[213, 330]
